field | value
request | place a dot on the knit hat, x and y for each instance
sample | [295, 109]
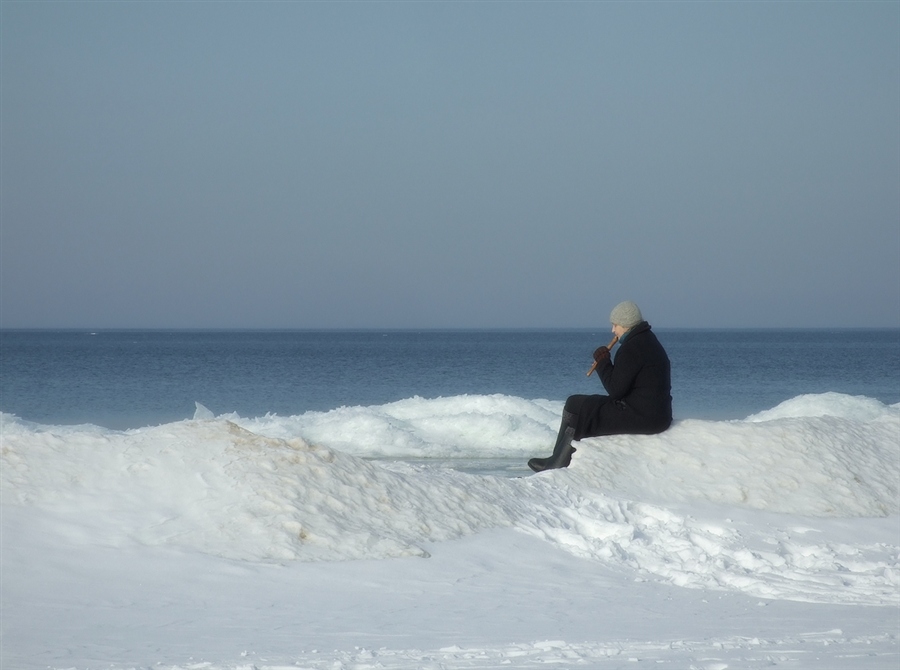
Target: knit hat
[626, 314]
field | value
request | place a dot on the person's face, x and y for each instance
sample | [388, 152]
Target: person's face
[618, 330]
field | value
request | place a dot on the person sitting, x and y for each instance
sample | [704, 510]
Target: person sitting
[638, 385]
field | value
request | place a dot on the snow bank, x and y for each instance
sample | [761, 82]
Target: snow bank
[820, 465]
[839, 405]
[222, 489]
[458, 427]
[214, 486]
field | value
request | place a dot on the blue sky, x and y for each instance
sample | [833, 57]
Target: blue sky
[456, 164]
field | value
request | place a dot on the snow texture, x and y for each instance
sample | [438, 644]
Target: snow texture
[794, 509]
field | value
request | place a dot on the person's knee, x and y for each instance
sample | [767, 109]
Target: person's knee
[574, 403]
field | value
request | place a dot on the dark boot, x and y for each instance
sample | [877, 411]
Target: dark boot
[562, 452]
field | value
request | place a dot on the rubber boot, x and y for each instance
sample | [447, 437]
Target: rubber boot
[562, 451]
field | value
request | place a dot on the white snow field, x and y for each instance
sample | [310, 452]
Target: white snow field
[396, 537]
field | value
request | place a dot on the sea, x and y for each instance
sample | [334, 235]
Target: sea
[126, 379]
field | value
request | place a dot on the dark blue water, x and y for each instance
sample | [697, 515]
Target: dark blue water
[128, 379]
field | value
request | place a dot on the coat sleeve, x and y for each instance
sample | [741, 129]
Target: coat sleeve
[618, 378]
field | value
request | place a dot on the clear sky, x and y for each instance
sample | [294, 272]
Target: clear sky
[449, 164]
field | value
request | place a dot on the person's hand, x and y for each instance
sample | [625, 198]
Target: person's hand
[601, 354]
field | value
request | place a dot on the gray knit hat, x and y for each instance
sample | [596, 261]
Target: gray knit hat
[626, 314]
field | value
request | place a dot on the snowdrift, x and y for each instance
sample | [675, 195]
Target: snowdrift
[247, 489]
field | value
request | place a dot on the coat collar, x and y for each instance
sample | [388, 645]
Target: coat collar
[642, 327]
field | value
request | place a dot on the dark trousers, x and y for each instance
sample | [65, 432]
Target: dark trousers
[600, 415]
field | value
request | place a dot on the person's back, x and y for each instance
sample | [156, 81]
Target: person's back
[641, 378]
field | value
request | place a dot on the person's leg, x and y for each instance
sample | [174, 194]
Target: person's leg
[563, 450]
[581, 418]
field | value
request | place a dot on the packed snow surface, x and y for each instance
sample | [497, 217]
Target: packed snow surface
[796, 504]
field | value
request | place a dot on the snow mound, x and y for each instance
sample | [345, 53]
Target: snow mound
[706, 504]
[816, 466]
[216, 487]
[840, 405]
[456, 427]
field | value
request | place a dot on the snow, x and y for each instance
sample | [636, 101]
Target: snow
[344, 539]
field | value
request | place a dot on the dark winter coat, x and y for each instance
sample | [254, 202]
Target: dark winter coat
[639, 387]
